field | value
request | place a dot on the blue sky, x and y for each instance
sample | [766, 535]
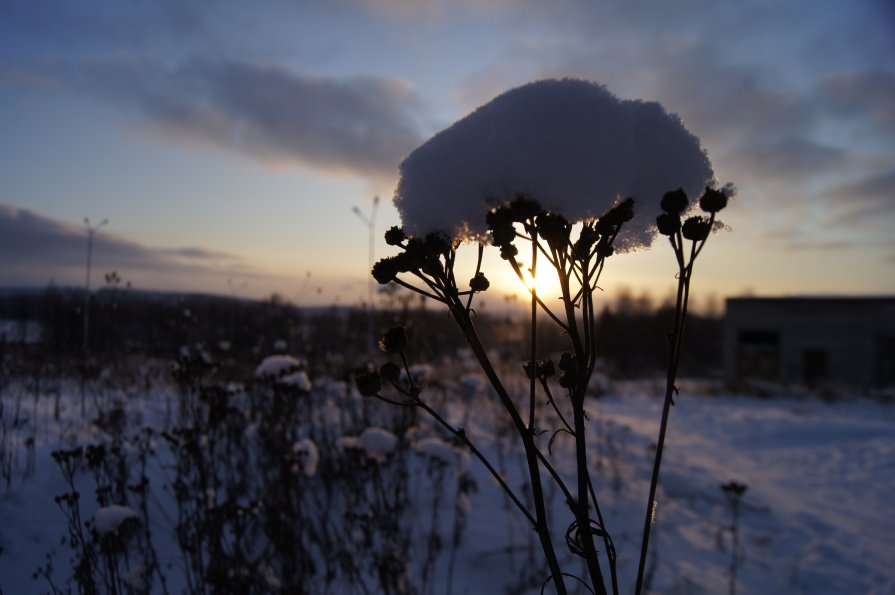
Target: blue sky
[227, 142]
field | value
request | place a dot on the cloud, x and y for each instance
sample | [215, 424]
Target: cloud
[810, 245]
[35, 248]
[197, 253]
[865, 96]
[870, 199]
[790, 158]
[360, 125]
[430, 10]
[786, 113]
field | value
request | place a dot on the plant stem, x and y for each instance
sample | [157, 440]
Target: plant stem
[531, 451]
[533, 365]
[680, 314]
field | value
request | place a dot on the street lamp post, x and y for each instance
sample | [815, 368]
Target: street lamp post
[91, 231]
[371, 227]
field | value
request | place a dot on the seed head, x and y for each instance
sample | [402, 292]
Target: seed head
[508, 251]
[675, 202]
[385, 270]
[390, 372]
[367, 382]
[712, 200]
[696, 228]
[394, 236]
[668, 224]
[479, 283]
[555, 229]
[394, 340]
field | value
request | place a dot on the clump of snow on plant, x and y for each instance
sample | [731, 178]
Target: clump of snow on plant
[569, 144]
[277, 365]
[377, 443]
[310, 456]
[298, 380]
[419, 372]
[439, 450]
[286, 369]
[107, 519]
[473, 382]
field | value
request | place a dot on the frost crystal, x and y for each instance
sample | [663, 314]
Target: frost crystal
[569, 144]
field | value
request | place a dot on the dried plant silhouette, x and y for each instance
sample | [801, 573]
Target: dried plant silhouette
[427, 266]
[531, 237]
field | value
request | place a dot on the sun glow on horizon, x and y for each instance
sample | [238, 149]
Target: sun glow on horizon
[545, 283]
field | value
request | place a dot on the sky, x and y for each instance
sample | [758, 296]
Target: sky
[228, 144]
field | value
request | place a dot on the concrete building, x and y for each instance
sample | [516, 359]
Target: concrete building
[811, 340]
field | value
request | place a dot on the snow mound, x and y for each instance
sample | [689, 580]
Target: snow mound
[298, 380]
[109, 518]
[310, 456]
[277, 365]
[473, 382]
[377, 443]
[569, 144]
[419, 372]
[286, 369]
[437, 449]
[344, 443]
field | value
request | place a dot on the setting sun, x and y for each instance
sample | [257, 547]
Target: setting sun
[546, 283]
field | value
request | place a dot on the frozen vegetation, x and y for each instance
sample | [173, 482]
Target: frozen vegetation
[813, 520]
[419, 475]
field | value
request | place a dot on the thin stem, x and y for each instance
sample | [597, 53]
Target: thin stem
[416, 289]
[531, 451]
[552, 402]
[532, 394]
[462, 437]
[518, 270]
[683, 291]
[582, 509]
[478, 269]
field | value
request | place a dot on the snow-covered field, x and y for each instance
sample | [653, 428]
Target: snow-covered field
[816, 516]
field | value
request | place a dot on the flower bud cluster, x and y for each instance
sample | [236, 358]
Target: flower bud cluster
[394, 340]
[417, 255]
[697, 227]
[596, 236]
[369, 380]
[571, 371]
[542, 369]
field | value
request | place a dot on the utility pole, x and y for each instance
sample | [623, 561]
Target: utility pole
[370, 222]
[91, 231]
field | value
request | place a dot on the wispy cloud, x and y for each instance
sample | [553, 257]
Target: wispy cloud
[361, 125]
[196, 253]
[786, 113]
[38, 249]
[869, 199]
[867, 97]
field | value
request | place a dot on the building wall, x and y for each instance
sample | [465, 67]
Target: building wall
[811, 340]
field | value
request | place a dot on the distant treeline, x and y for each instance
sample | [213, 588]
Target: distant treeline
[631, 336]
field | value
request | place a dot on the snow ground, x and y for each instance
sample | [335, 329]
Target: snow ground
[816, 518]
